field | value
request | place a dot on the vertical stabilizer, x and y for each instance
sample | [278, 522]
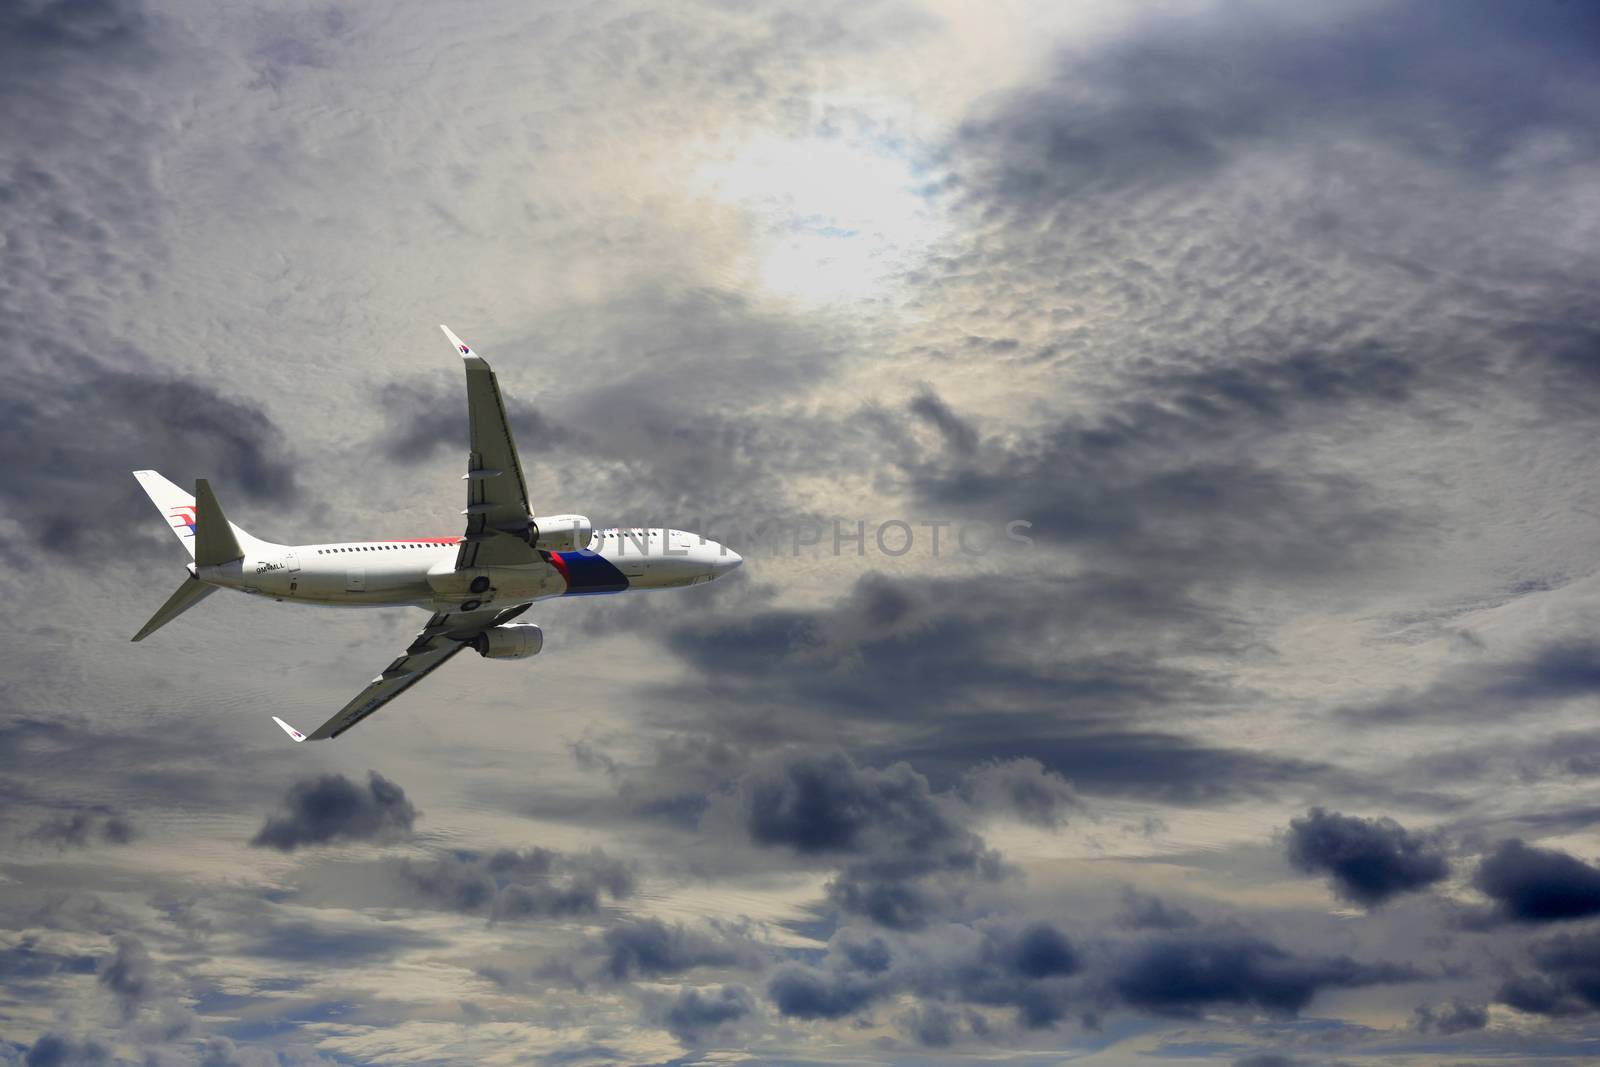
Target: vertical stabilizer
[214, 542]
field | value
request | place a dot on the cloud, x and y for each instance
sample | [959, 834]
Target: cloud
[650, 948]
[84, 24]
[510, 885]
[1168, 475]
[332, 808]
[1020, 787]
[1566, 978]
[1232, 318]
[61, 1050]
[1558, 671]
[422, 422]
[1026, 966]
[1143, 912]
[80, 829]
[1537, 885]
[802, 992]
[905, 853]
[1368, 861]
[1062, 670]
[1178, 101]
[129, 975]
[695, 1015]
[147, 996]
[1189, 974]
[128, 418]
[1454, 1017]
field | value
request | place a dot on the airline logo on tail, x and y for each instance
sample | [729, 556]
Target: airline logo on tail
[182, 518]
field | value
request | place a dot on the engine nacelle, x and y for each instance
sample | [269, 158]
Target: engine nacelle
[513, 640]
[563, 533]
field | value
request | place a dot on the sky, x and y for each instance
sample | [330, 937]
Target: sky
[1159, 437]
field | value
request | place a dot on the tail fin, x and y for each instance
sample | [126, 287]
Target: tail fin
[183, 514]
[214, 542]
[174, 503]
[190, 593]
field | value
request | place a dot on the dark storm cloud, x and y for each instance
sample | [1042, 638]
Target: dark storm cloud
[1565, 978]
[1405, 156]
[1170, 475]
[1564, 670]
[1454, 1017]
[695, 1015]
[1187, 975]
[1057, 669]
[905, 853]
[1177, 100]
[332, 808]
[80, 829]
[1537, 885]
[510, 884]
[70, 25]
[802, 992]
[1034, 969]
[1367, 861]
[62, 1050]
[825, 803]
[1023, 966]
[650, 948]
[79, 497]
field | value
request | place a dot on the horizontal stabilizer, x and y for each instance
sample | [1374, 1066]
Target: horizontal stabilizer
[190, 593]
[290, 730]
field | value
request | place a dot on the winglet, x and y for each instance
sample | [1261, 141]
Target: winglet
[290, 730]
[461, 346]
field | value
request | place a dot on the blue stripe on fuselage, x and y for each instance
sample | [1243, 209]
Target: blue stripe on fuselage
[589, 573]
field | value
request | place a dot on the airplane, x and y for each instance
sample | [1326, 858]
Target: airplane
[475, 583]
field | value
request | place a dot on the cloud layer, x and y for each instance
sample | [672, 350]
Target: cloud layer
[1269, 330]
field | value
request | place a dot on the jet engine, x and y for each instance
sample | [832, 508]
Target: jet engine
[513, 640]
[562, 533]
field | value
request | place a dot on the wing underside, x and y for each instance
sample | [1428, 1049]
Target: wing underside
[498, 511]
[443, 637]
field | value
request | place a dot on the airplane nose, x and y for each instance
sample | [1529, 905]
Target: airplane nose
[726, 560]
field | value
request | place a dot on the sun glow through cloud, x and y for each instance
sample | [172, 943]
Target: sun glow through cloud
[832, 220]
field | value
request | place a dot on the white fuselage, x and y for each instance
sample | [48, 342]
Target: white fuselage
[422, 571]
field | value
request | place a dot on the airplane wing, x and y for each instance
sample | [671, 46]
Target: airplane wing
[443, 637]
[498, 512]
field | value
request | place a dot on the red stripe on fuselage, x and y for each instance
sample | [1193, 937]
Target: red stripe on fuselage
[416, 541]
